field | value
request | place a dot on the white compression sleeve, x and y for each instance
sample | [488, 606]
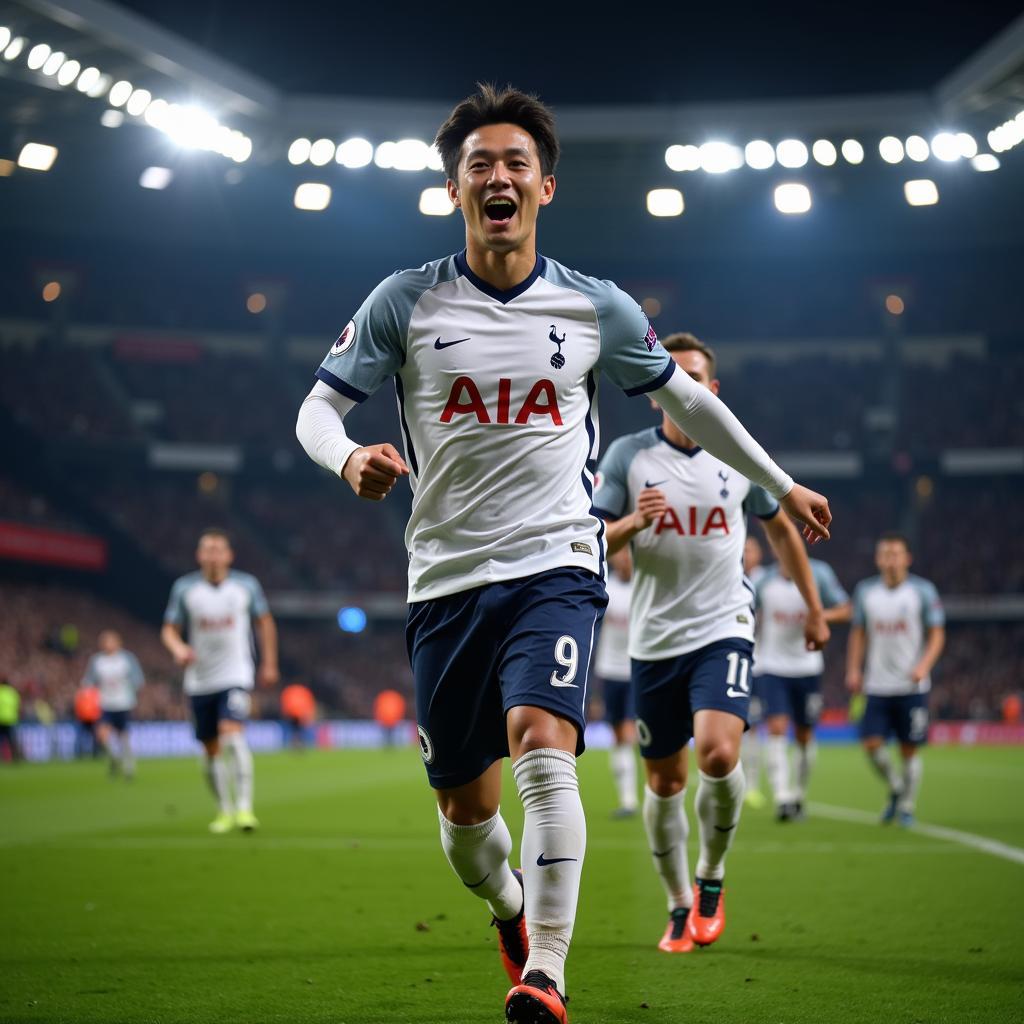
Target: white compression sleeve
[705, 418]
[320, 430]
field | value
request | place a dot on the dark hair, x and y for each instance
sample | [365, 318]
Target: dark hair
[488, 105]
[895, 537]
[684, 342]
[216, 531]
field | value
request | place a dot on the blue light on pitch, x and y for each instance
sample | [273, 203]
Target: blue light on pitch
[352, 620]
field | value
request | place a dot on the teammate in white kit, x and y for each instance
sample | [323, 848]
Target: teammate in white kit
[495, 355]
[117, 674]
[788, 676]
[899, 618]
[691, 638]
[611, 666]
[752, 747]
[216, 608]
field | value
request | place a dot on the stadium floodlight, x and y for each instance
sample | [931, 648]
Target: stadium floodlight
[922, 192]
[682, 158]
[191, 127]
[791, 153]
[158, 114]
[665, 202]
[945, 147]
[384, 155]
[100, 87]
[824, 152]
[119, 93]
[354, 153]
[87, 79]
[853, 151]
[352, 620]
[36, 156]
[68, 72]
[434, 161]
[985, 162]
[890, 149]
[241, 148]
[720, 157]
[411, 155]
[434, 202]
[995, 140]
[792, 198]
[54, 62]
[759, 155]
[298, 151]
[112, 118]
[917, 149]
[312, 195]
[156, 177]
[138, 101]
[38, 56]
[321, 152]
[5, 37]
[968, 145]
[14, 47]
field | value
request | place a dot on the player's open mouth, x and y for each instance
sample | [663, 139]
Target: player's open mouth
[500, 209]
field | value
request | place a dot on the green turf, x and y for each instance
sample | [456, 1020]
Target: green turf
[119, 907]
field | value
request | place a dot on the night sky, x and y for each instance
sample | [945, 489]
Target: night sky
[573, 53]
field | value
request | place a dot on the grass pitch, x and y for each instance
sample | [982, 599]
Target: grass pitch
[119, 907]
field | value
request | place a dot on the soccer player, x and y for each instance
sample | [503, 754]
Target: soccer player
[899, 619]
[495, 354]
[691, 634]
[752, 748]
[216, 608]
[117, 674]
[789, 675]
[611, 666]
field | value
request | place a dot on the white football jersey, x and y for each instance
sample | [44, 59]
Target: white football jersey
[781, 616]
[118, 677]
[612, 658]
[895, 621]
[216, 619]
[497, 396]
[688, 584]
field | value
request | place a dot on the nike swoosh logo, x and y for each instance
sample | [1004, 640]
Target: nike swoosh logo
[718, 828]
[476, 885]
[647, 483]
[439, 344]
[543, 862]
[663, 853]
[735, 693]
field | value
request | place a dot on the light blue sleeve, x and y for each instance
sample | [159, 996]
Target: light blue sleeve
[631, 354]
[259, 605]
[176, 613]
[859, 613]
[611, 496]
[829, 587]
[372, 346]
[90, 678]
[932, 612]
[760, 503]
[135, 676]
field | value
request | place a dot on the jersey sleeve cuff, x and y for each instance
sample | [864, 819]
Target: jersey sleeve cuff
[652, 385]
[765, 516]
[342, 387]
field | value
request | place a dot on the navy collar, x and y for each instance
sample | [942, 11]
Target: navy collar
[488, 289]
[679, 448]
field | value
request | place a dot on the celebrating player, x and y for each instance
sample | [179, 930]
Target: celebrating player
[691, 637]
[216, 607]
[789, 675]
[495, 353]
[117, 674]
[611, 666]
[899, 618]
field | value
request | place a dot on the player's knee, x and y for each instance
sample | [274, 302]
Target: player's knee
[718, 758]
[666, 782]
[463, 810]
[535, 729]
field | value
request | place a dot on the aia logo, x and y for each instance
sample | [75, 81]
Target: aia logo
[696, 525]
[465, 399]
[891, 627]
[557, 360]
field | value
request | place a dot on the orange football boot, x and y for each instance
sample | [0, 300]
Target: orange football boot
[677, 937]
[536, 1001]
[707, 916]
[513, 942]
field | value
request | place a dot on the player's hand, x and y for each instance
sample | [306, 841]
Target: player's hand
[854, 680]
[811, 509]
[816, 631]
[268, 676]
[917, 674]
[184, 655]
[372, 471]
[650, 505]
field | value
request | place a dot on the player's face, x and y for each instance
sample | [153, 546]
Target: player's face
[501, 187]
[214, 556]
[697, 366]
[893, 560]
[109, 641]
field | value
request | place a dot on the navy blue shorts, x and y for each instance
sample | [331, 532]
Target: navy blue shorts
[479, 652]
[116, 719]
[668, 693]
[905, 717]
[758, 702]
[209, 709]
[796, 697]
[618, 701]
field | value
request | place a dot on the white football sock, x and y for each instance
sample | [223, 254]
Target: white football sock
[667, 830]
[127, 761]
[751, 751]
[479, 854]
[913, 769]
[803, 761]
[217, 777]
[554, 842]
[879, 757]
[778, 769]
[236, 748]
[624, 771]
[718, 806]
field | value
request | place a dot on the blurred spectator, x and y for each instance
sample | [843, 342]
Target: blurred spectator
[10, 703]
[298, 709]
[388, 712]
